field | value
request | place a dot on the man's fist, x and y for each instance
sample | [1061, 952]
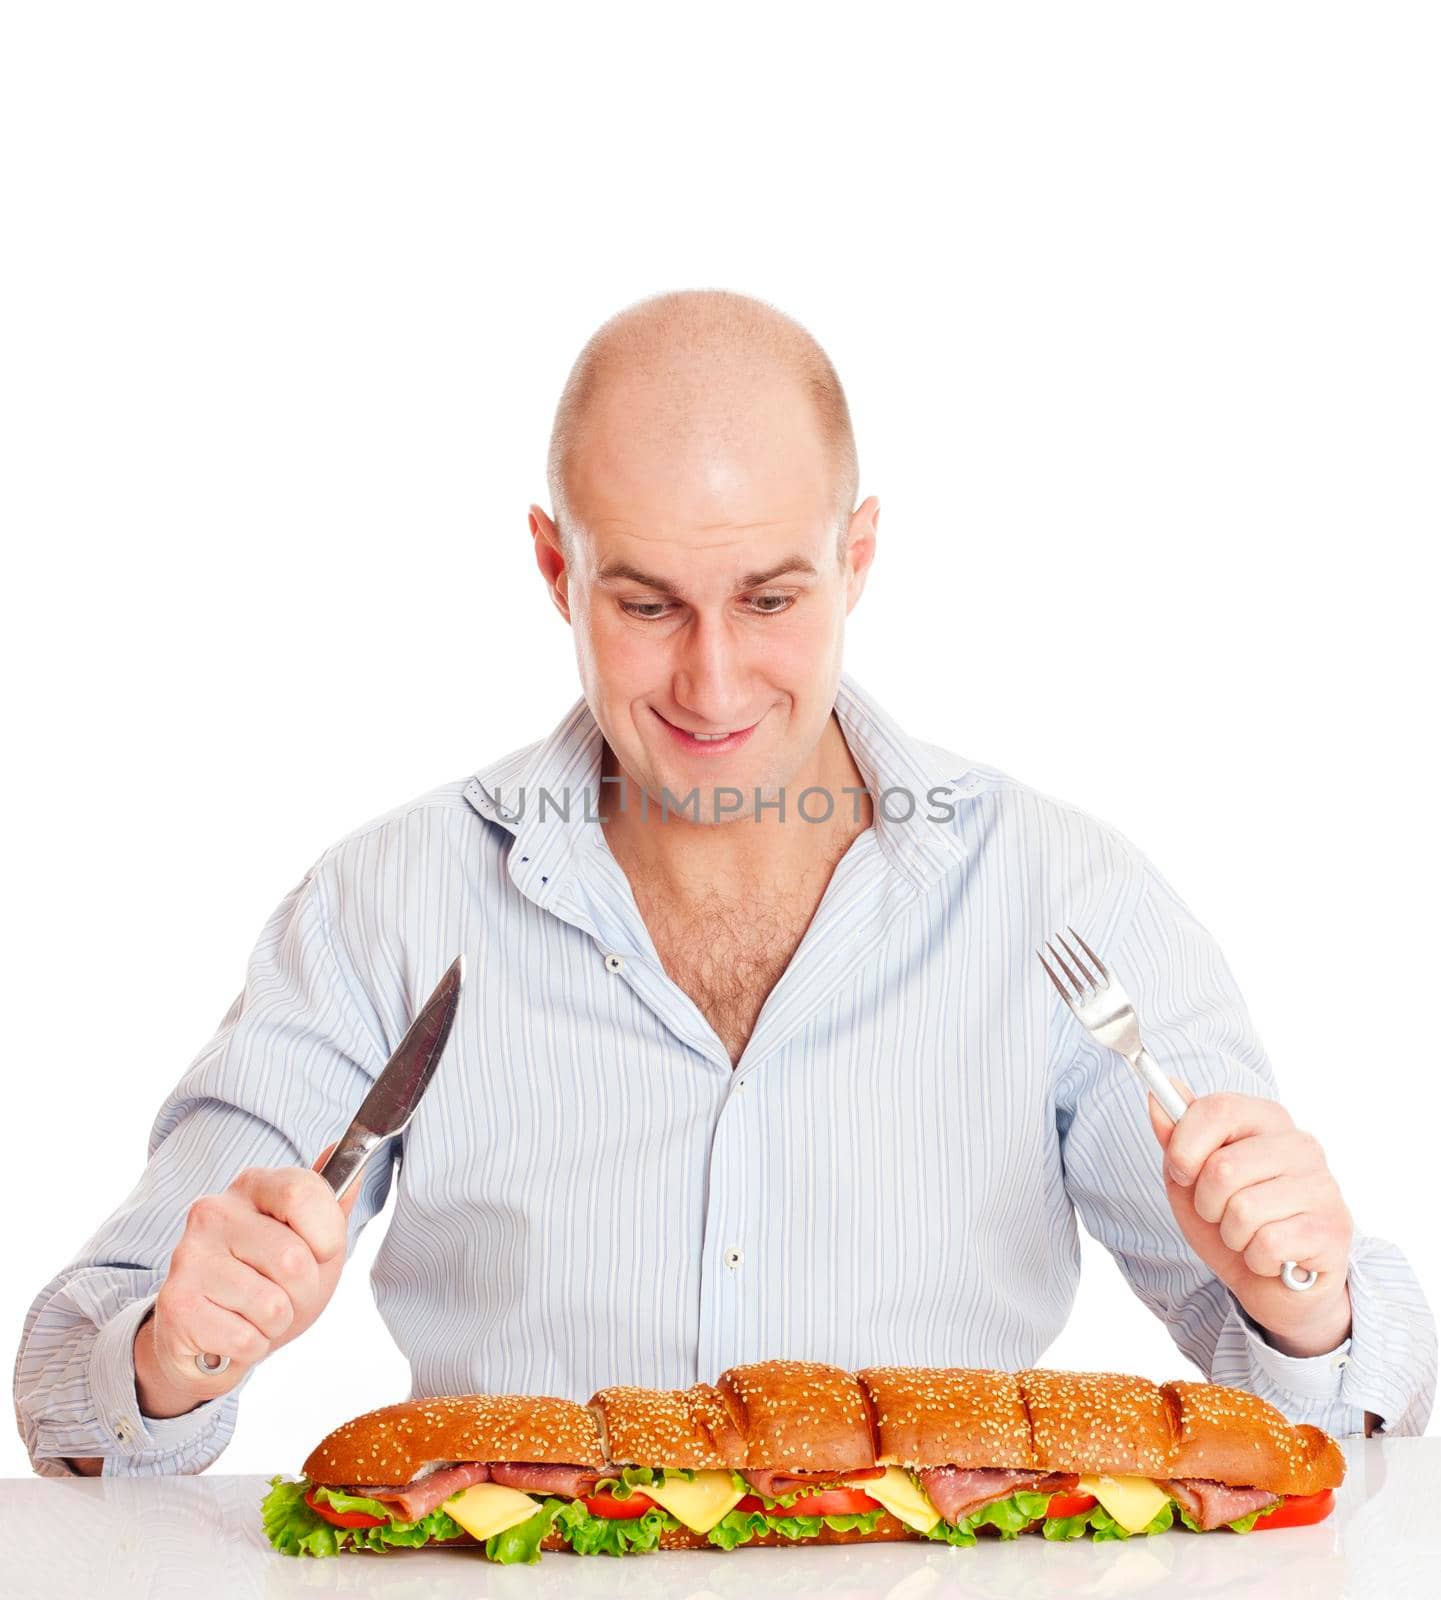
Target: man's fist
[1250, 1191]
[254, 1268]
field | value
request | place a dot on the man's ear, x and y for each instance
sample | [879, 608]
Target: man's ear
[551, 560]
[860, 548]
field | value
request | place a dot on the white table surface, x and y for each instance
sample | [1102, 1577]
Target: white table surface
[200, 1538]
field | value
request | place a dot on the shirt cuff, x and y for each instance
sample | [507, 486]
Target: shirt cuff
[117, 1407]
[1310, 1377]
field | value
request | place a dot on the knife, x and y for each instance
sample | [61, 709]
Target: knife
[391, 1103]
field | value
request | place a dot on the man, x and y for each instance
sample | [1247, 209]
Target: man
[754, 1056]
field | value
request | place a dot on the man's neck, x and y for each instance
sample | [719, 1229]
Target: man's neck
[696, 858]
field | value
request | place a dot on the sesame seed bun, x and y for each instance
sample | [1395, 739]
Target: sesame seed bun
[1097, 1422]
[668, 1427]
[392, 1445]
[1094, 1422]
[807, 1417]
[1236, 1437]
[799, 1416]
[948, 1416]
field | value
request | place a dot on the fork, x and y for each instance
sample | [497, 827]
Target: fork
[1104, 1010]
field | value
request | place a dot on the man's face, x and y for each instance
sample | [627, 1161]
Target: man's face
[705, 590]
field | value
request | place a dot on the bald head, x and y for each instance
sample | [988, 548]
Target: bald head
[699, 360]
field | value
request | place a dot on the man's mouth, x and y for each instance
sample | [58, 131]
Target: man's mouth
[708, 741]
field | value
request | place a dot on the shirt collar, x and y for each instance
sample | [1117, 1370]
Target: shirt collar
[915, 794]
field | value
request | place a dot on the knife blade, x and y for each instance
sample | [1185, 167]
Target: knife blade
[388, 1107]
[395, 1094]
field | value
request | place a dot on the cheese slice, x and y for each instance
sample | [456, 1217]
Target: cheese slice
[489, 1508]
[700, 1503]
[1133, 1502]
[902, 1497]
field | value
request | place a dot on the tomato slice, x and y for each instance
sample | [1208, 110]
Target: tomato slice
[342, 1519]
[1296, 1510]
[1069, 1505]
[635, 1504]
[828, 1503]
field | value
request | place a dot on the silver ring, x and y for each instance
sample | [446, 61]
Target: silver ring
[1297, 1278]
[204, 1361]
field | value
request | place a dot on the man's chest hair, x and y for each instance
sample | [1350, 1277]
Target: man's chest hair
[726, 951]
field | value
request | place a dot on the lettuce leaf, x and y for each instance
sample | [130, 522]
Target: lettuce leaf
[295, 1529]
[349, 1502]
[1099, 1523]
[1240, 1525]
[632, 1478]
[1067, 1527]
[522, 1542]
[590, 1535]
[1012, 1516]
[737, 1527]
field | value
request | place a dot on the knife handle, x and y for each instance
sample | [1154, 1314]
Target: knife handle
[347, 1159]
[342, 1167]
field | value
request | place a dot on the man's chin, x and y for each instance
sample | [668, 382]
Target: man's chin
[723, 797]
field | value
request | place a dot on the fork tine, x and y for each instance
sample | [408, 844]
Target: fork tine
[1060, 988]
[1093, 983]
[1076, 983]
[1084, 946]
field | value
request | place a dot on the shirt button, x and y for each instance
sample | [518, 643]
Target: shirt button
[122, 1429]
[614, 963]
[1339, 1361]
[733, 1257]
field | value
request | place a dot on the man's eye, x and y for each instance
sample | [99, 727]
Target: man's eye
[764, 605]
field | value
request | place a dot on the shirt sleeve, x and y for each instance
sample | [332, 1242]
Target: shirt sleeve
[281, 1077]
[1194, 1022]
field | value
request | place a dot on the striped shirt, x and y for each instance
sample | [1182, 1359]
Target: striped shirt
[590, 1194]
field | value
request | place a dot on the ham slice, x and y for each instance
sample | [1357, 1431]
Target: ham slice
[773, 1485]
[957, 1491]
[409, 1502]
[1211, 1503]
[533, 1478]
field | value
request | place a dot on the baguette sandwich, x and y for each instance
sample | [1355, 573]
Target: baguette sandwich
[799, 1452]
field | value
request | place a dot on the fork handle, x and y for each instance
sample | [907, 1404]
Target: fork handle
[1159, 1084]
[1298, 1278]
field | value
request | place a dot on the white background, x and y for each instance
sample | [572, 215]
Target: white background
[1136, 309]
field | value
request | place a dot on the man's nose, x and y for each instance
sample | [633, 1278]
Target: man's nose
[711, 673]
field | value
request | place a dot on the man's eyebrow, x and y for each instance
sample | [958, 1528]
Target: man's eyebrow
[617, 571]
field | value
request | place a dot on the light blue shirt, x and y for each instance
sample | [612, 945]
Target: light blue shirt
[590, 1195]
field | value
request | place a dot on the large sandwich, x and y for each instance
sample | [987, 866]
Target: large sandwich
[798, 1452]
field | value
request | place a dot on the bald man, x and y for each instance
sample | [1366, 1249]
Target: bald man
[703, 550]
[754, 1057]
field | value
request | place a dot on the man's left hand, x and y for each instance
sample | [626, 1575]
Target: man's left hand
[1250, 1191]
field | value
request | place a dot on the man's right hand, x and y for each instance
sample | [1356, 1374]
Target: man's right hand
[256, 1265]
